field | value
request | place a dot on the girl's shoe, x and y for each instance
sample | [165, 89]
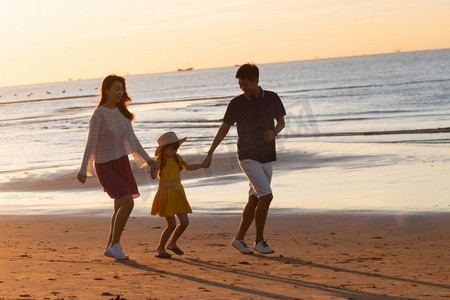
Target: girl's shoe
[176, 250]
[116, 252]
[163, 255]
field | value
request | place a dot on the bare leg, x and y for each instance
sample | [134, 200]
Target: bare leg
[126, 205]
[171, 224]
[113, 221]
[248, 214]
[184, 222]
[261, 215]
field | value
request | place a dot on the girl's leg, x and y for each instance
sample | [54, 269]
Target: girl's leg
[125, 206]
[171, 223]
[184, 222]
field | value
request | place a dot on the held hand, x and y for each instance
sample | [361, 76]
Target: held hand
[206, 163]
[154, 167]
[269, 135]
[81, 178]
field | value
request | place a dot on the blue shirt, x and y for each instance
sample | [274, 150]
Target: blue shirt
[253, 117]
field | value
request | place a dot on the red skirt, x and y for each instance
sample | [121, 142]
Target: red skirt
[116, 178]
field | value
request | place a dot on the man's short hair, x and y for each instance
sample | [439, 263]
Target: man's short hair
[248, 71]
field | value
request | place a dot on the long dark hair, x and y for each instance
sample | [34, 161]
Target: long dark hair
[163, 159]
[122, 105]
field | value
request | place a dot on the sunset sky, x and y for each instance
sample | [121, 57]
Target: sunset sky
[54, 40]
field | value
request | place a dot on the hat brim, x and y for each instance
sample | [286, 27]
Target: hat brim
[158, 150]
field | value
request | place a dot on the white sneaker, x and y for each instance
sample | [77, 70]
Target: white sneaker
[116, 251]
[263, 248]
[241, 246]
[107, 253]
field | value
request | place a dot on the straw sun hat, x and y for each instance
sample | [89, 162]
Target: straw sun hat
[167, 139]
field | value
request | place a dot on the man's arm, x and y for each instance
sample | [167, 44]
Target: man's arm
[220, 135]
[270, 135]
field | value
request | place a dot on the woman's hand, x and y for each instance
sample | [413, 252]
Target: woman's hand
[81, 178]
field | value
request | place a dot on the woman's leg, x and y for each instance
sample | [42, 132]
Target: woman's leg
[113, 222]
[171, 224]
[125, 206]
[184, 222]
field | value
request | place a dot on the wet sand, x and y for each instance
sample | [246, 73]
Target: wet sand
[307, 176]
[318, 256]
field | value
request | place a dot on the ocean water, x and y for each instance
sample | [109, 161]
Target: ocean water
[398, 101]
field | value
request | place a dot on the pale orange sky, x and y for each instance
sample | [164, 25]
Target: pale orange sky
[54, 40]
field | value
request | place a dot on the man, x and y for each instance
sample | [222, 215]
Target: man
[254, 113]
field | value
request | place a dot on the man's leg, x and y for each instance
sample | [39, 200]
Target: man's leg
[261, 215]
[248, 214]
[259, 176]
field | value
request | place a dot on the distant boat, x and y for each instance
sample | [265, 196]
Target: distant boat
[187, 69]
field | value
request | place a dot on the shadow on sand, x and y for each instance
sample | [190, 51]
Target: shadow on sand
[337, 291]
[286, 260]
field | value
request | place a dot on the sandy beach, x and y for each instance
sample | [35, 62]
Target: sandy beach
[52, 244]
[318, 256]
[361, 192]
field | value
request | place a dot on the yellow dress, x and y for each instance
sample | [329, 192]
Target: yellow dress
[170, 199]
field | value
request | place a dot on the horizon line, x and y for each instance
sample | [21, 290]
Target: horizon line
[395, 51]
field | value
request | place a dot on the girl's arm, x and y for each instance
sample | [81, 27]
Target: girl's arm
[190, 167]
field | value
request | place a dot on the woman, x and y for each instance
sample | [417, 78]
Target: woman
[111, 138]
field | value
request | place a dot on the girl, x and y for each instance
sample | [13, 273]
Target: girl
[111, 138]
[170, 199]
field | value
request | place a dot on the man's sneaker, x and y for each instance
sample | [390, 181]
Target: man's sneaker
[263, 248]
[116, 251]
[107, 253]
[241, 246]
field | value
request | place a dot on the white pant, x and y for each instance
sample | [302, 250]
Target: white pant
[259, 176]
